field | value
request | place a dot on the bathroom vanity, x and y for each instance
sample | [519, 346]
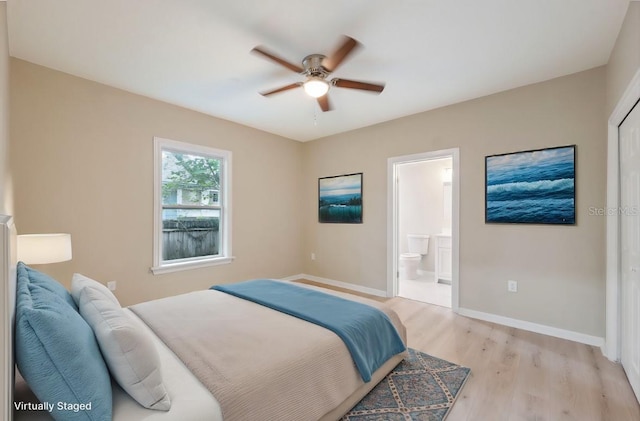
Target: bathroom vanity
[443, 258]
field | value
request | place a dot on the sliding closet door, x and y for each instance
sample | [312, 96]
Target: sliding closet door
[630, 245]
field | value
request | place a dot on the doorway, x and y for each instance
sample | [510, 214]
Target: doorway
[423, 204]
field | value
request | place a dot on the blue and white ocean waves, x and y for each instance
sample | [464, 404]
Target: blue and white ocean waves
[532, 187]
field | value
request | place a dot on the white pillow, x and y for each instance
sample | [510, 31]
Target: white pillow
[128, 351]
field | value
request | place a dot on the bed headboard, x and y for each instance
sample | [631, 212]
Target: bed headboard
[8, 257]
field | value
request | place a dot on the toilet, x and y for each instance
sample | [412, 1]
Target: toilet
[418, 247]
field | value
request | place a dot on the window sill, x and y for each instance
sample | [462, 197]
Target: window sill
[176, 267]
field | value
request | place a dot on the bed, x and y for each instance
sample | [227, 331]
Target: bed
[292, 369]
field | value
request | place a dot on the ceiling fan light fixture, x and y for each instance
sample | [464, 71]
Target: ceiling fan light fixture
[316, 87]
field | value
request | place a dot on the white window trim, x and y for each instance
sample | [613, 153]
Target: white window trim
[225, 255]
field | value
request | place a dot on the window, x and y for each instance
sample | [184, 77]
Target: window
[192, 202]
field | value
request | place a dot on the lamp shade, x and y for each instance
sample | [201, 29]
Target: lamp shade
[39, 249]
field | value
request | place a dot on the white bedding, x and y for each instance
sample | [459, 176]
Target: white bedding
[190, 400]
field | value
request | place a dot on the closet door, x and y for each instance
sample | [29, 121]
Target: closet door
[629, 211]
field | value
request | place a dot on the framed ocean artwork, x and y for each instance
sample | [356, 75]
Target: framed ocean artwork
[340, 199]
[531, 187]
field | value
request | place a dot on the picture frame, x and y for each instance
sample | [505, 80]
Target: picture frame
[340, 199]
[531, 187]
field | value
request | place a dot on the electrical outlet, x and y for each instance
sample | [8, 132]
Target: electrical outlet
[512, 286]
[313, 256]
[111, 285]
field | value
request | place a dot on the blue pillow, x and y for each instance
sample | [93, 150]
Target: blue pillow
[46, 282]
[57, 354]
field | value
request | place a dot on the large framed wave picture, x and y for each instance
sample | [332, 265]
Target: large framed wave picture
[340, 199]
[531, 187]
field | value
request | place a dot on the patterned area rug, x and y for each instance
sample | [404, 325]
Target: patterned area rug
[421, 387]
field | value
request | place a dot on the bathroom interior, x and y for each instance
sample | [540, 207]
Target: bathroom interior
[424, 231]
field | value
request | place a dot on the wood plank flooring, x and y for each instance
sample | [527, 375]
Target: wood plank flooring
[516, 374]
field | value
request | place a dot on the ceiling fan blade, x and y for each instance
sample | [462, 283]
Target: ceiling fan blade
[332, 62]
[282, 89]
[324, 102]
[354, 84]
[280, 61]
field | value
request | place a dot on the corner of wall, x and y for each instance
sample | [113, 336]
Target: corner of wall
[6, 196]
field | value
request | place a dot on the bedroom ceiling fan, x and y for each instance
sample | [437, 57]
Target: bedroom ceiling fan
[316, 68]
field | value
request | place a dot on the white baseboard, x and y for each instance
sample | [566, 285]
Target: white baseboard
[474, 314]
[534, 327]
[340, 284]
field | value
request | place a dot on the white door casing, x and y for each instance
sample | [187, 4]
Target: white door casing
[630, 97]
[629, 211]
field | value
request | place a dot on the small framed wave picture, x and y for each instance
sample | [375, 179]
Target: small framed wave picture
[531, 187]
[340, 199]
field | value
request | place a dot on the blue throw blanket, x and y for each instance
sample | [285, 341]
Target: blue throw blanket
[366, 331]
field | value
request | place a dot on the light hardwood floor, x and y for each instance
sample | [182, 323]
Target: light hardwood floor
[515, 374]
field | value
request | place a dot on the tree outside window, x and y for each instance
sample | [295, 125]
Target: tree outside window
[190, 205]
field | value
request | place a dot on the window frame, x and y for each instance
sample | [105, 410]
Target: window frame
[224, 196]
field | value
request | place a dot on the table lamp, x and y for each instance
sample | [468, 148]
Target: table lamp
[40, 249]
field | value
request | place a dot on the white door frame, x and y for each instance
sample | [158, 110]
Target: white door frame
[392, 218]
[613, 306]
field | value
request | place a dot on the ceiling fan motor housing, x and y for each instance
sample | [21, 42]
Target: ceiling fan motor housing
[313, 66]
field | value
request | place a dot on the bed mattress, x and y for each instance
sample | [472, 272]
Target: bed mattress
[260, 364]
[191, 400]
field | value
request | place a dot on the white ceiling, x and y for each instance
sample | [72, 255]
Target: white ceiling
[430, 53]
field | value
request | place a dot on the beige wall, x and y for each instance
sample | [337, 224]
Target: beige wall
[82, 160]
[6, 201]
[560, 269]
[624, 61]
